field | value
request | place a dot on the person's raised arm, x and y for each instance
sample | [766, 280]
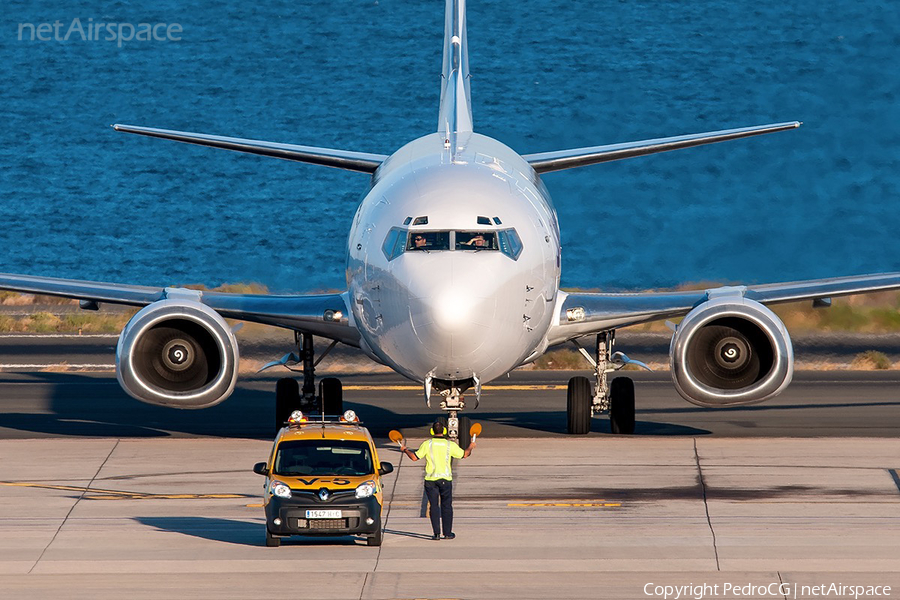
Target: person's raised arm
[412, 455]
[468, 450]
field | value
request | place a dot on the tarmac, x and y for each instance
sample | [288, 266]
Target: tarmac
[566, 518]
[103, 497]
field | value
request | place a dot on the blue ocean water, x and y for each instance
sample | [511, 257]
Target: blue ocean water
[79, 200]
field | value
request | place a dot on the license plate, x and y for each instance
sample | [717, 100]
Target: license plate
[323, 514]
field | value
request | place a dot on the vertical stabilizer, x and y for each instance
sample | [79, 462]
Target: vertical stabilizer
[456, 109]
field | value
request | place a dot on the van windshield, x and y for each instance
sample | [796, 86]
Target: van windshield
[296, 458]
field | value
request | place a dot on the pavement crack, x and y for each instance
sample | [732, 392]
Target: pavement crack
[706, 504]
[68, 514]
[362, 590]
[781, 585]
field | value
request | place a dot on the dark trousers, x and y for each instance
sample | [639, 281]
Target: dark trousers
[440, 490]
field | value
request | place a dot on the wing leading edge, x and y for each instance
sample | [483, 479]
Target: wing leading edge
[586, 313]
[546, 162]
[325, 315]
[342, 159]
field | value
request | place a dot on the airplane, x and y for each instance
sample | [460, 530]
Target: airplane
[453, 273]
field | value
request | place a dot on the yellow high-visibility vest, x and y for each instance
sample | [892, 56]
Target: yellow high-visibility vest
[437, 453]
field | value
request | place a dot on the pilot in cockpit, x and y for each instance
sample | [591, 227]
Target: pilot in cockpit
[419, 242]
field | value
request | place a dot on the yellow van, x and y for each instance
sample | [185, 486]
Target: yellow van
[323, 477]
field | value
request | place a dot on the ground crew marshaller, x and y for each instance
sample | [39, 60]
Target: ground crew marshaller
[438, 452]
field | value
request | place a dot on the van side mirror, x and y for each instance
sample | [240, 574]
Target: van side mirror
[261, 469]
[386, 468]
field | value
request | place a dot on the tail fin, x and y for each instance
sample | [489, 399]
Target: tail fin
[456, 108]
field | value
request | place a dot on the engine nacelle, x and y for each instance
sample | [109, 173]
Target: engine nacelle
[177, 353]
[730, 351]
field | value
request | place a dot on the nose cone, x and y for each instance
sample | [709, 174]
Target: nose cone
[454, 310]
[458, 314]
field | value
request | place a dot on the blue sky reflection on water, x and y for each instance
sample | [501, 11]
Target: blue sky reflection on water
[79, 200]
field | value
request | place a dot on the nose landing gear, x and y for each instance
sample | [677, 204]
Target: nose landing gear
[616, 397]
[453, 402]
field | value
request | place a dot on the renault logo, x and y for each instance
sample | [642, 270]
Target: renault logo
[324, 495]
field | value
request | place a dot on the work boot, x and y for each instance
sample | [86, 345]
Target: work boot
[449, 536]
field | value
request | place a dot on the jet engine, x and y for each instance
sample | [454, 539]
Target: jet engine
[730, 351]
[177, 353]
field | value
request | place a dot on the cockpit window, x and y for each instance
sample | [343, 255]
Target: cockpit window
[394, 243]
[510, 244]
[428, 240]
[400, 240]
[476, 240]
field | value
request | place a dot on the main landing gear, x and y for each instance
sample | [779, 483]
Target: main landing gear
[616, 397]
[289, 396]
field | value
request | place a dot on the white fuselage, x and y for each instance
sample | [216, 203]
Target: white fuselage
[454, 313]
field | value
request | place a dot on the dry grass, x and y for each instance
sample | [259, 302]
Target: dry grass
[871, 360]
[865, 313]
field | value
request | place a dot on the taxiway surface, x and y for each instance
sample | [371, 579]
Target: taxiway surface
[102, 496]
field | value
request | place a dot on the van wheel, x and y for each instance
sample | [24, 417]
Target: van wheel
[376, 538]
[271, 540]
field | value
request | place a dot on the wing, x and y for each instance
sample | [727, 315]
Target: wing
[583, 313]
[325, 315]
[545, 162]
[329, 157]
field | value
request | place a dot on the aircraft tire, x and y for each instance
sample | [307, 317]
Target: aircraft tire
[332, 393]
[465, 438]
[271, 540]
[621, 406]
[578, 409]
[464, 425]
[287, 400]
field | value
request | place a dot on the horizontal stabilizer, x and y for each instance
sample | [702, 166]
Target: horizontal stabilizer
[546, 162]
[329, 157]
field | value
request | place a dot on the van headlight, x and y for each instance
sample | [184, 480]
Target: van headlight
[280, 489]
[364, 490]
